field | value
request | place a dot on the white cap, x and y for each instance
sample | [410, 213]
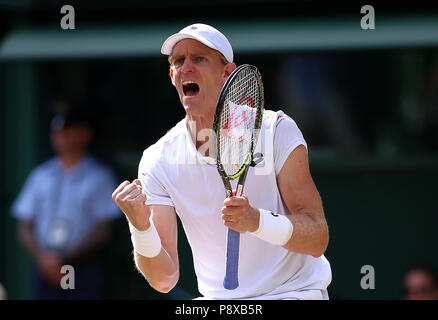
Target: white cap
[205, 34]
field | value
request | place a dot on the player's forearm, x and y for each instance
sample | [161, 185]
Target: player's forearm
[310, 233]
[162, 272]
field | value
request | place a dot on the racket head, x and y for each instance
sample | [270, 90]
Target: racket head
[237, 120]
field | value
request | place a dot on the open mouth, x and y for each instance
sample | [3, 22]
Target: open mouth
[190, 88]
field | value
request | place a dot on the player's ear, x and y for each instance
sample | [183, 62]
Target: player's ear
[172, 74]
[229, 67]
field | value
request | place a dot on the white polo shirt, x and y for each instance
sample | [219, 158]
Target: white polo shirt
[174, 173]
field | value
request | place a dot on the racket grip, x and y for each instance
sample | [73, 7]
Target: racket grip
[231, 280]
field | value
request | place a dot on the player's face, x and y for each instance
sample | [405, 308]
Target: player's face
[199, 74]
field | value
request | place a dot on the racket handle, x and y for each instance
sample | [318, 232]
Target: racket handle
[231, 280]
[232, 260]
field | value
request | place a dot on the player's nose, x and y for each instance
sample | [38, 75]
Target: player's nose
[187, 66]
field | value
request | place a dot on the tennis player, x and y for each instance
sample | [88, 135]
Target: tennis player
[284, 233]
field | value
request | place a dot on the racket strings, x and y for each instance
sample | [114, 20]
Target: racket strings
[238, 120]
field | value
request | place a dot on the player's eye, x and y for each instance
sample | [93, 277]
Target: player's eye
[201, 59]
[178, 62]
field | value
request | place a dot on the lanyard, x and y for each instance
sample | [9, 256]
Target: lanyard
[56, 237]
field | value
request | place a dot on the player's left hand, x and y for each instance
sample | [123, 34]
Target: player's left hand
[239, 215]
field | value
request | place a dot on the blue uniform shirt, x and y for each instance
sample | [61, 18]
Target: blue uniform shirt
[66, 205]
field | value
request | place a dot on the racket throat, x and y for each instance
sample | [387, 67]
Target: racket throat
[239, 190]
[242, 179]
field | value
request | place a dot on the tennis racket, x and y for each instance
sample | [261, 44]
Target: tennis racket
[237, 124]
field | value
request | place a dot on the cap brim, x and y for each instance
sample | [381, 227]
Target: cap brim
[170, 42]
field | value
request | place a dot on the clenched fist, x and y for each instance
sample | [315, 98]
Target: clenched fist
[131, 200]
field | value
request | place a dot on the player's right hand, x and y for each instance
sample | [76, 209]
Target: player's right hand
[131, 200]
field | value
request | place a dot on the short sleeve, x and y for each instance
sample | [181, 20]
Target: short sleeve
[149, 173]
[24, 205]
[103, 206]
[287, 137]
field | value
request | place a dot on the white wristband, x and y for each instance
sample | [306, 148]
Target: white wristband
[147, 242]
[274, 228]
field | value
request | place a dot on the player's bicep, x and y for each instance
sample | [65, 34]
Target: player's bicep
[296, 185]
[165, 222]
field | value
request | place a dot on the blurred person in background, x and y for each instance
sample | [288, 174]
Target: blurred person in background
[65, 210]
[421, 283]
